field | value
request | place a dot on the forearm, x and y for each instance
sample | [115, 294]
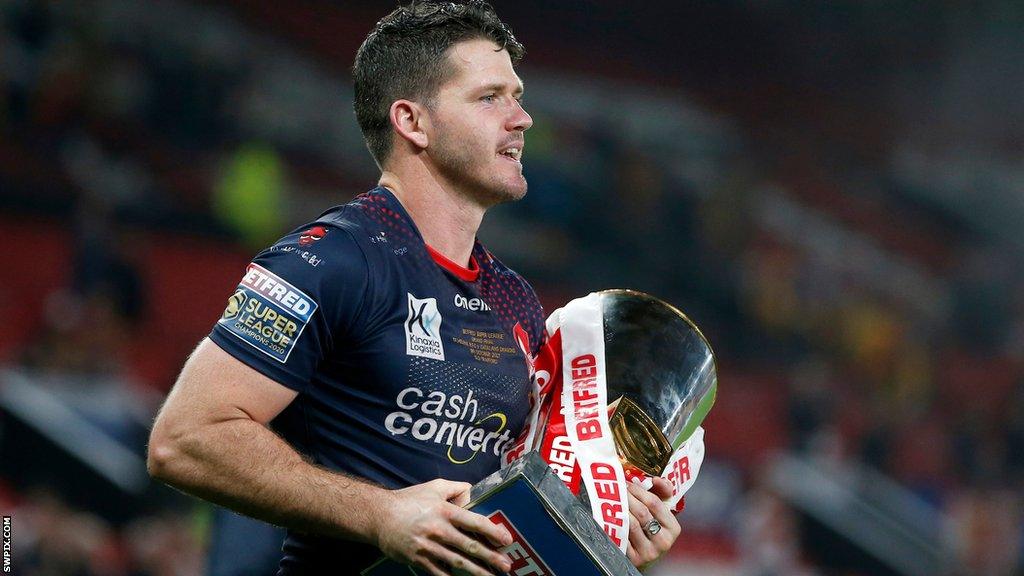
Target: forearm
[240, 464]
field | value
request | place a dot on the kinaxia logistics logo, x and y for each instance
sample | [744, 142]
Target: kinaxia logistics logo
[267, 313]
[423, 329]
[451, 419]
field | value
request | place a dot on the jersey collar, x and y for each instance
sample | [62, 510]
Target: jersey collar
[468, 274]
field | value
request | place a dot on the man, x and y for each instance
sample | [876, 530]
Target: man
[385, 345]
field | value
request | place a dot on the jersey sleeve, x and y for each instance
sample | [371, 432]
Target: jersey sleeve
[296, 301]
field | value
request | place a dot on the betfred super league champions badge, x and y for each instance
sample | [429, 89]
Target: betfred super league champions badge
[267, 312]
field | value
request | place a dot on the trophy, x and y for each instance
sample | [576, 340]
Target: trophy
[620, 390]
[662, 374]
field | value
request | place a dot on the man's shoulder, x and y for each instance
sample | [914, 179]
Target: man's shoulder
[317, 243]
[371, 219]
[351, 213]
[341, 231]
[349, 218]
[318, 257]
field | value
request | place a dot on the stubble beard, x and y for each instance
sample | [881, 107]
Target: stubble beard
[468, 172]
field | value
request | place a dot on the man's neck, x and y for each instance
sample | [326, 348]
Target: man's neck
[447, 219]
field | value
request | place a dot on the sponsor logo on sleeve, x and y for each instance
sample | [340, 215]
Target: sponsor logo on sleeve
[311, 258]
[267, 313]
[423, 329]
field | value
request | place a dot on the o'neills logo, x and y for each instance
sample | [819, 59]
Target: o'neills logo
[449, 419]
[423, 329]
[471, 304]
[525, 560]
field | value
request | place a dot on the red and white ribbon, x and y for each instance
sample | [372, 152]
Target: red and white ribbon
[585, 404]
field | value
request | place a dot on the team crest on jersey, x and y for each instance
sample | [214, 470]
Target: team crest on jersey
[267, 313]
[315, 233]
[423, 329]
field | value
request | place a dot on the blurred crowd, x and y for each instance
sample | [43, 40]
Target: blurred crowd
[879, 330]
[53, 539]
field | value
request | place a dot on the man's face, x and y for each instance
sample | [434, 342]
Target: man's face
[477, 124]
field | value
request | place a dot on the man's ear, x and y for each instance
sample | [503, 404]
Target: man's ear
[410, 122]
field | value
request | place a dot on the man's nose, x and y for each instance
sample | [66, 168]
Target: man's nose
[520, 118]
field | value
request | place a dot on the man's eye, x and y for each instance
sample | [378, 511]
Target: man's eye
[489, 98]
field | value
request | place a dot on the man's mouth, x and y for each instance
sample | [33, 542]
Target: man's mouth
[514, 153]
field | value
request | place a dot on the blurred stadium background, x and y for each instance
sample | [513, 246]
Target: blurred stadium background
[833, 190]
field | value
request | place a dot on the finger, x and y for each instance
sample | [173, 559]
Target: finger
[639, 540]
[660, 544]
[647, 506]
[431, 567]
[632, 555]
[476, 549]
[670, 525]
[663, 514]
[662, 541]
[655, 507]
[662, 488]
[456, 560]
[450, 490]
[638, 508]
[473, 522]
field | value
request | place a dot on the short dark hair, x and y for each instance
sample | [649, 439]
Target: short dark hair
[405, 56]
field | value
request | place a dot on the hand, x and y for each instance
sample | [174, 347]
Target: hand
[425, 526]
[644, 549]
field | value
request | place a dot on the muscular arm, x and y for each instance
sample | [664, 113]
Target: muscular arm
[211, 440]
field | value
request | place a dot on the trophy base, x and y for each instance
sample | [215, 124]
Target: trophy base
[553, 533]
